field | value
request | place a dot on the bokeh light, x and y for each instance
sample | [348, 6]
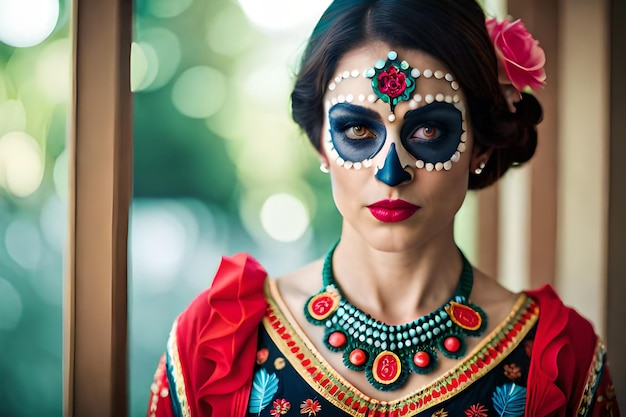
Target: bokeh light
[162, 53]
[3, 85]
[284, 217]
[267, 84]
[23, 243]
[199, 92]
[163, 232]
[167, 8]
[280, 15]
[60, 175]
[53, 223]
[269, 153]
[12, 116]
[228, 32]
[21, 164]
[25, 23]
[144, 65]
[53, 72]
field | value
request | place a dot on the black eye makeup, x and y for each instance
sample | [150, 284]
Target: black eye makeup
[433, 134]
[357, 133]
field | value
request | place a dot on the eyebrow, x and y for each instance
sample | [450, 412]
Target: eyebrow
[356, 110]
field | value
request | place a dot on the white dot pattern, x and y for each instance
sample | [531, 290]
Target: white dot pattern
[414, 102]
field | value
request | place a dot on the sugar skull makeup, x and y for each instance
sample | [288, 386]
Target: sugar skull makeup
[432, 128]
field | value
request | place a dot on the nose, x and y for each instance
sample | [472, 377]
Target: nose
[392, 173]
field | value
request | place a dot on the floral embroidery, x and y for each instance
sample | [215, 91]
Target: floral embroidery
[279, 363]
[261, 356]
[281, 406]
[476, 410]
[440, 413]
[509, 400]
[610, 404]
[264, 387]
[512, 371]
[310, 407]
[593, 386]
[528, 347]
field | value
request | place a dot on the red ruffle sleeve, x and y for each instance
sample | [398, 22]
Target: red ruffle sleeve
[563, 350]
[212, 346]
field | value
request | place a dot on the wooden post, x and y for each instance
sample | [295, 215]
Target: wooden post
[95, 322]
[616, 285]
[541, 17]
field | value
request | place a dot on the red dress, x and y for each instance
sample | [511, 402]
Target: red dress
[207, 369]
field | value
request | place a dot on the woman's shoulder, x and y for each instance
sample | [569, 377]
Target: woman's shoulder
[302, 282]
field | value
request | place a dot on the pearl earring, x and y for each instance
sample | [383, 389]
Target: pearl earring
[324, 168]
[480, 168]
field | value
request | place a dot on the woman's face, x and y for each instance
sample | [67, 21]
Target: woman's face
[398, 146]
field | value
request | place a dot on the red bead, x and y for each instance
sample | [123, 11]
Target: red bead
[421, 359]
[357, 357]
[337, 339]
[452, 344]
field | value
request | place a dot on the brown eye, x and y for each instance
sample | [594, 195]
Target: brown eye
[360, 132]
[426, 132]
[430, 132]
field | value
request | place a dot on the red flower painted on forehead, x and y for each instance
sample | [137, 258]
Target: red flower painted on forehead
[392, 82]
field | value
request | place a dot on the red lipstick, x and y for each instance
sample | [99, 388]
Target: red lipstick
[392, 211]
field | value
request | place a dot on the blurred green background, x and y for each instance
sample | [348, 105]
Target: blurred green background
[34, 89]
[219, 168]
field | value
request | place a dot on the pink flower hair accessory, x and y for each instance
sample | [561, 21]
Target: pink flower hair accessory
[520, 58]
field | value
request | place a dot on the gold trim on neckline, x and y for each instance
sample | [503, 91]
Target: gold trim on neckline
[295, 344]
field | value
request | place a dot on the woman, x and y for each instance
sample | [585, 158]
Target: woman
[408, 105]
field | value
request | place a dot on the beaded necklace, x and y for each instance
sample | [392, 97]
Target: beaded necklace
[388, 353]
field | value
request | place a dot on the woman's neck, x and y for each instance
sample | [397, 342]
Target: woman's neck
[400, 286]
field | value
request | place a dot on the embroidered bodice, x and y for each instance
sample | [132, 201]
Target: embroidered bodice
[292, 378]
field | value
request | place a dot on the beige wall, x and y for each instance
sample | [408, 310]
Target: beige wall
[583, 158]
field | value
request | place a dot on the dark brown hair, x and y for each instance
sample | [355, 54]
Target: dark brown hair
[454, 32]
